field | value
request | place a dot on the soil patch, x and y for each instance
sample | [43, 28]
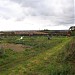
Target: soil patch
[15, 47]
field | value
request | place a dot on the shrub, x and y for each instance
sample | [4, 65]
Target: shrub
[2, 52]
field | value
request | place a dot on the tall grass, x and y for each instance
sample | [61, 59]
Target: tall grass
[46, 57]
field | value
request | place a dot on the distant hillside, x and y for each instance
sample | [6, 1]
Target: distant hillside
[32, 32]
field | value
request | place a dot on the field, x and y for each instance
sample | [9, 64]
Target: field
[36, 55]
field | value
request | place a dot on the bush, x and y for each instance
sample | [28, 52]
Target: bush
[2, 52]
[73, 33]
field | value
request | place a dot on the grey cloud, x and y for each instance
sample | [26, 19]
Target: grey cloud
[28, 3]
[4, 13]
[38, 6]
[41, 9]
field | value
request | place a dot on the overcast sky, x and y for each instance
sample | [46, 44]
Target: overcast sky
[36, 14]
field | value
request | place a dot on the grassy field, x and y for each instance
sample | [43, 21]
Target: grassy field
[36, 55]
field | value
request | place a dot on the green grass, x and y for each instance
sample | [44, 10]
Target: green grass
[45, 57]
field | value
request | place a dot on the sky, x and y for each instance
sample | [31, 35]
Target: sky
[36, 14]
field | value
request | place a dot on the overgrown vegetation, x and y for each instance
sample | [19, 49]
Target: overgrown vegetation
[2, 52]
[44, 57]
